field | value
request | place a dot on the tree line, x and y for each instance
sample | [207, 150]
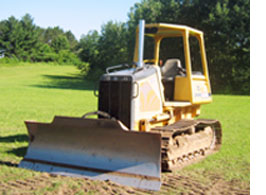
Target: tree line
[225, 23]
[22, 40]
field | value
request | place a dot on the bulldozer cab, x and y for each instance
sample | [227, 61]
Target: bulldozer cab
[179, 51]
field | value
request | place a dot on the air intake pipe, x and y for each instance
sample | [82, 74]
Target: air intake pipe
[141, 43]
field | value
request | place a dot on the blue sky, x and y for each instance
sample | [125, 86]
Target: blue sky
[79, 16]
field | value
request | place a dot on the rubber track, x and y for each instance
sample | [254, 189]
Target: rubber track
[188, 141]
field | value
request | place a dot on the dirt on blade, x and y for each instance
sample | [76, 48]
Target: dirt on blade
[172, 183]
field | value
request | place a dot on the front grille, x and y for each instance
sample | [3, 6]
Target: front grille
[115, 96]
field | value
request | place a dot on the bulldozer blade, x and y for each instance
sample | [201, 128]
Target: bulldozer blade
[95, 148]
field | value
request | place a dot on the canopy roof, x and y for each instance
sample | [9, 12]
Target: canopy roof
[164, 29]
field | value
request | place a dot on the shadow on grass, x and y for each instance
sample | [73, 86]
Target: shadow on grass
[20, 152]
[15, 138]
[73, 82]
[10, 164]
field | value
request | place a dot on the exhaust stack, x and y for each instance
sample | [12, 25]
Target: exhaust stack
[141, 43]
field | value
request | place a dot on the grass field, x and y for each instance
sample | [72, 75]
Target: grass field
[40, 91]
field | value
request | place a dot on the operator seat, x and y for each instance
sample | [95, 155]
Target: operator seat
[169, 71]
[172, 68]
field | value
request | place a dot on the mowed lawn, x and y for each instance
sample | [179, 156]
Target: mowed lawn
[38, 92]
[233, 160]
[41, 91]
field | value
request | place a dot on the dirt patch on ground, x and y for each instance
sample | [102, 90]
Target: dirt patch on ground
[171, 184]
[212, 184]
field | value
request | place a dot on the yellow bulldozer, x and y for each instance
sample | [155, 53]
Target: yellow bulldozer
[145, 120]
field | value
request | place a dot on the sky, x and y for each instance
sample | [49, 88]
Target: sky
[78, 16]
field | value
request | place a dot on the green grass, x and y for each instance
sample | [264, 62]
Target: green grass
[38, 92]
[41, 91]
[233, 160]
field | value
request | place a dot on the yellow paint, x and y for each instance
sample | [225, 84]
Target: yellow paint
[191, 88]
[182, 92]
[149, 101]
[189, 112]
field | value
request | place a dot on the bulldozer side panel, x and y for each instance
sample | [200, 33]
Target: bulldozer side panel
[150, 100]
